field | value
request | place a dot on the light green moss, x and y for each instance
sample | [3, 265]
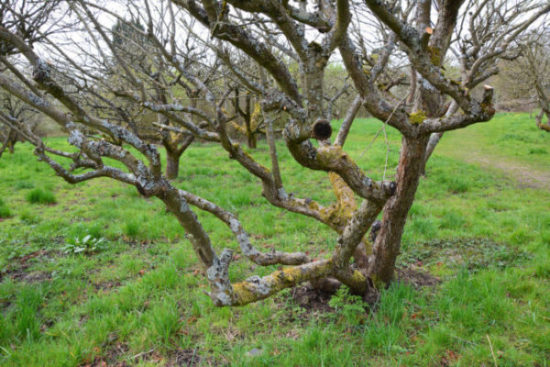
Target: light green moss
[418, 117]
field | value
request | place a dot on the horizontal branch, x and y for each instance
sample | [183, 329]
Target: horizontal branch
[257, 288]
[456, 121]
[271, 258]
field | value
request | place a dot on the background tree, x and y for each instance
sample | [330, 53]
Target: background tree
[536, 59]
[30, 21]
[485, 34]
[135, 63]
[11, 109]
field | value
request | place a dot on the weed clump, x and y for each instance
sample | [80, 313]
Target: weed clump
[39, 196]
[4, 210]
[131, 229]
[88, 245]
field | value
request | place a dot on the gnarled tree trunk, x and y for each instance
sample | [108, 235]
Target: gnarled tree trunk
[388, 240]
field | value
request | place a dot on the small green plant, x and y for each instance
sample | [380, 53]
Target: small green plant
[86, 245]
[39, 196]
[350, 307]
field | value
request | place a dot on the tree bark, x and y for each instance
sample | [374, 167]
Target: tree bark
[172, 163]
[246, 115]
[250, 134]
[541, 125]
[3, 148]
[388, 241]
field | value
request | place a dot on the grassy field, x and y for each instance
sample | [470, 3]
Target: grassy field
[92, 274]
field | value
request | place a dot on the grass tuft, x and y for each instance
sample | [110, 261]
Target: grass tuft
[132, 229]
[40, 196]
[5, 212]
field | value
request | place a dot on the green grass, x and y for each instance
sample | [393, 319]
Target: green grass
[39, 196]
[5, 212]
[141, 300]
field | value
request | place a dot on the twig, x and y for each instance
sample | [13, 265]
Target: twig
[492, 351]
[143, 353]
[383, 128]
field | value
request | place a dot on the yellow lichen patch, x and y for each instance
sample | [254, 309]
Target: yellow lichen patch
[250, 291]
[355, 279]
[239, 128]
[256, 116]
[287, 276]
[313, 205]
[242, 295]
[435, 56]
[368, 245]
[358, 277]
[330, 216]
[173, 135]
[345, 198]
[339, 213]
[418, 117]
[343, 193]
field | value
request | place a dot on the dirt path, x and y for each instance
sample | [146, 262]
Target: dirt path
[525, 173]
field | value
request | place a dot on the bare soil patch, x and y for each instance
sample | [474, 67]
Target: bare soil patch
[317, 300]
[18, 270]
[524, 175]
[417, 278]
[312, 299]
[184, 357]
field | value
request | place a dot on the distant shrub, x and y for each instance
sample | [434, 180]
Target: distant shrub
[39, 196]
